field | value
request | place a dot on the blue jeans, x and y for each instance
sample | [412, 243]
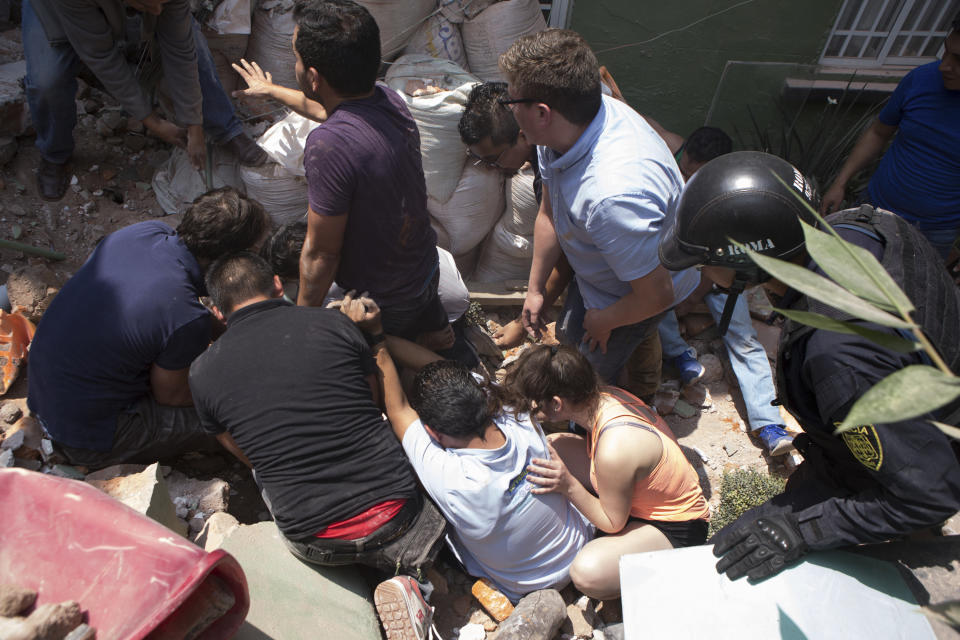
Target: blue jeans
[747, 357]
[51, 88]
[620, 346]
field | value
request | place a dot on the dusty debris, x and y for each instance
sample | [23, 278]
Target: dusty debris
[10, 412]
[713, 366]
[537, 616]
[15, 600]
[31, 289]
[145, 492]
[47, 622]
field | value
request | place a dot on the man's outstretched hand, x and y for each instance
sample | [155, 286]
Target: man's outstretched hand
[759, 549]
[361, 310]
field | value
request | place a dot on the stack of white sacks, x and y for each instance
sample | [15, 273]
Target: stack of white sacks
[436, 51]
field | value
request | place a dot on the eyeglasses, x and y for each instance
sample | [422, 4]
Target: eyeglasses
[504, 102]
[480, 161]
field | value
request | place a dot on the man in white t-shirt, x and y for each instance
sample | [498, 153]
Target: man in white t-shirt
[471, 454]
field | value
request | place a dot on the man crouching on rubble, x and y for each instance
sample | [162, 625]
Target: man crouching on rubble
[292, 391]
[110, 359]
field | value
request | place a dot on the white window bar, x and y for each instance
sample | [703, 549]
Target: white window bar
[558, 13]
[873, 33]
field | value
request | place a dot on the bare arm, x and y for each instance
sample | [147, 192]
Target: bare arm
[869, 147]
[260, 83]
[623, 457]
[546, 254]
[320, 257]
[649, 295]
[410, 354]
[171, 387]
[230, 445]
[674, 140]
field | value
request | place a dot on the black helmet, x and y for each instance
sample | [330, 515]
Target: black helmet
[738, 196]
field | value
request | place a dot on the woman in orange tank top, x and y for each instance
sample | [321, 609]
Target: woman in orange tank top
[630, 478]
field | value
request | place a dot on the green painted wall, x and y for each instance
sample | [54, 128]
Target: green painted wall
[673, 78]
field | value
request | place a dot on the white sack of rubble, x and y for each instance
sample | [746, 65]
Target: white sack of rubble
[524, 207]
[177, 184]
[457, 11]
[270, 41]
[284, 142]
[437, 37]
[282, 193]
[398, 21]
[435, 90]
[492, 32]
[472, 210]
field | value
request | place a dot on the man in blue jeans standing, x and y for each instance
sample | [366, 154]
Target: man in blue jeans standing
[747, 356]
[59, 36]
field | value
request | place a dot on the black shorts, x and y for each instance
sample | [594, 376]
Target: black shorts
[687, 533]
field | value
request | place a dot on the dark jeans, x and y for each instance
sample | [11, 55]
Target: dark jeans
[408, 543]
[147, 432]
[51, 88]
[621, 345]
[421, 313]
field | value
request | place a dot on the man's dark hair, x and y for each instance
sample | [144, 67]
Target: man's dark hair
[558, 68]
[341, 40]
[238, 277]
[956, 23]
[451, 401]
[707, 143]
[485, 117]
[282, 249]
[222, 221]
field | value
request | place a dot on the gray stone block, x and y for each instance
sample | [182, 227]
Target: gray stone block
[291, 599]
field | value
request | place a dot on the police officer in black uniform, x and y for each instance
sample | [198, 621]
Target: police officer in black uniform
[872, 483]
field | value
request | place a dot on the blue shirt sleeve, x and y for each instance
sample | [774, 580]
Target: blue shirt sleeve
[185, 344]
[892, 112]
[626, 231]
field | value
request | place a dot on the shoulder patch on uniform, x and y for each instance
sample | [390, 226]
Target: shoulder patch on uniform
[864, 444]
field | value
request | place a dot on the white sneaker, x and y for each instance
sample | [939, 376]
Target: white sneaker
[404, 614]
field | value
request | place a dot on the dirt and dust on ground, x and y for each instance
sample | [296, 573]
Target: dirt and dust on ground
[110, 188]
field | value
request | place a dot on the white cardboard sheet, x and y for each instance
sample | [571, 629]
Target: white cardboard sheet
[679, 594]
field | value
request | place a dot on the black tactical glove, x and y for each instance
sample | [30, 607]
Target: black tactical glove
[760, 549]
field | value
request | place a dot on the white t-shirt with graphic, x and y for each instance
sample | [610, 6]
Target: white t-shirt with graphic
[521, 541]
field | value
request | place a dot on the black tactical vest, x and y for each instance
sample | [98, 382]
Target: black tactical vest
[916, 267]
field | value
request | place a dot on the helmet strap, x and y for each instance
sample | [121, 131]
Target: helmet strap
[733, 292]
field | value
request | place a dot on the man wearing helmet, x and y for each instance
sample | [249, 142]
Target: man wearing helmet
[874, 482]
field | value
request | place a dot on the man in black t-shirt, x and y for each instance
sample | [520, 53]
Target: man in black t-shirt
[291, 391]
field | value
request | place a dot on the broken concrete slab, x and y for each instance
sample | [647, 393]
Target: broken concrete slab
[145, 492]
[215, 530]
[537, 616]
[288, 597]
[208, 496]
[10, 412]
[14, 113]
[713, 367]
[13, 441]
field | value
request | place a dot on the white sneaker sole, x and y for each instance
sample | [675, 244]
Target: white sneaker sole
[391, 603]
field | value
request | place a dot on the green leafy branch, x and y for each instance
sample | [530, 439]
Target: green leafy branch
[859, 285]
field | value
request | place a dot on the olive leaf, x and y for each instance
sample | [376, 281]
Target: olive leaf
[819, 321]
[822, 289]
[855, 269]
[913, 391]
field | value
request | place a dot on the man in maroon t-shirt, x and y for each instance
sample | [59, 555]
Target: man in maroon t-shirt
[368, 225]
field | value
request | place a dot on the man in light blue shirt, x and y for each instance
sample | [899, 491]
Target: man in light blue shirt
[609, 182]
